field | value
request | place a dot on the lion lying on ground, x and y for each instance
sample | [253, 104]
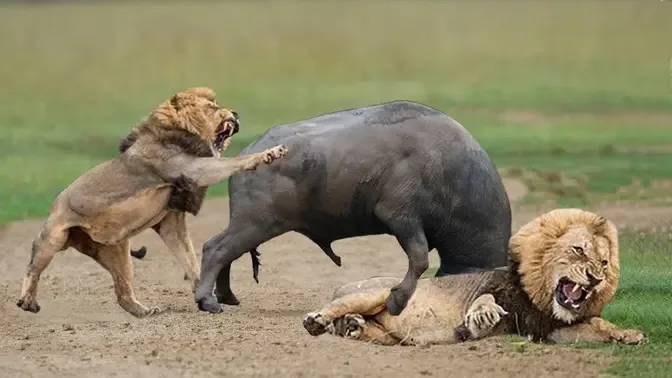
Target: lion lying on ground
[166, 164]
[564, 269]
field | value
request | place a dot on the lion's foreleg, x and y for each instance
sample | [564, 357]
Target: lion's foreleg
[596, 330]
[173, 231]
[46, 244]
[482, 316]
[369, 302]
[210, 171]
[117, 260]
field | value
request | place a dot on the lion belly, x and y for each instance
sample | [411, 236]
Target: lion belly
[432, 313]
[128, 218]
[112, 202]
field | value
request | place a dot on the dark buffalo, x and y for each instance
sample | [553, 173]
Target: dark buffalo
[398, 168]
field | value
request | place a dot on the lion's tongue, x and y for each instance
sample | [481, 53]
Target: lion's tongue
[568, 290]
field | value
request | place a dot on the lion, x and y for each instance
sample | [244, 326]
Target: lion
[563, 270]
[165, 165]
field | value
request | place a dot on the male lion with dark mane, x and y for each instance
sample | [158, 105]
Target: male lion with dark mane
[563, 270]
[165, 165]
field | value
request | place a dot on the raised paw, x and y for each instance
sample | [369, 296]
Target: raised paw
[274, 153]
[315, 323]
[483, 318]
[29, 305]
[349, 326]
[629, 337]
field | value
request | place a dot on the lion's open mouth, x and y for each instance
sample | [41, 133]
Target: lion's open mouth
[223, 134]
[570, 294]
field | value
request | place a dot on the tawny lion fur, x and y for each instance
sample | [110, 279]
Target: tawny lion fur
[561, 247]
[165, 165]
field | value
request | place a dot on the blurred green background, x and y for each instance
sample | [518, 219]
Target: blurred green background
[572, 97]
[575, 93]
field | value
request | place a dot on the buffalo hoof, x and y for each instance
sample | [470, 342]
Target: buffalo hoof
[396, 302]
[209, 304]
[228, 299]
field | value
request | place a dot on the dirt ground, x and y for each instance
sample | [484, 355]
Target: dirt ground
[81, 331]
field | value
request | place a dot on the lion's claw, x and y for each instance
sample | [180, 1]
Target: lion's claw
[482, 318]
[349, 326]
[274, 153]
[630, 337]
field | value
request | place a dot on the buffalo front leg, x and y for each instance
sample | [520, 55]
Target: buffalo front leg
[173, 231]
[364, 303]
[44, 247]
[597, 330]
[117, 260]
[219, 253]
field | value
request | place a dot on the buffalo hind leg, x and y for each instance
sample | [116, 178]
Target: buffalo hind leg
[117, 260]
[218, 254]
[364, 303]
[411, 237]
[46, 244]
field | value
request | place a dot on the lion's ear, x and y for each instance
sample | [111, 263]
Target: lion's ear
[599, 222]
[175, 101]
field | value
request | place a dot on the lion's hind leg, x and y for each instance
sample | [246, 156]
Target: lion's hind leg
[50, 240]
[173, 231]
[117, 260]
[364, 303]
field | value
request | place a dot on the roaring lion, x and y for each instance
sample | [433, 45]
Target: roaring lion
[165, 165]
[563, 270]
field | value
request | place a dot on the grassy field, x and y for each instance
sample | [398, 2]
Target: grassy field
[566, 93]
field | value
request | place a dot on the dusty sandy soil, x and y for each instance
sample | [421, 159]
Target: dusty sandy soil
[81, 331]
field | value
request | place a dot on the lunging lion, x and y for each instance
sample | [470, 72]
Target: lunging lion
[563, 270]
[166, 164]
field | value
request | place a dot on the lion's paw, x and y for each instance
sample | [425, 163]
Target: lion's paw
[315, 323]
[29, 305]
[350, 326]
[483, 318]
[274, 153]
[629, 337]
[153, 311]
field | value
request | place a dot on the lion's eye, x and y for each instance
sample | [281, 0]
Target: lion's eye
[577, 249]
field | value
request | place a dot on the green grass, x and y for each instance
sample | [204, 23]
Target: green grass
[643, 302]
[581, 88]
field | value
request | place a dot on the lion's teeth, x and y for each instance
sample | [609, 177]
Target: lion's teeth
[589, 294]
[575, 305]
[566, 300]
[576, 288]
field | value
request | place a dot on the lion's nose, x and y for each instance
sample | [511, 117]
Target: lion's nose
[592, 280]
